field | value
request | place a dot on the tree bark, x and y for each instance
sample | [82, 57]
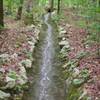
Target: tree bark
[29, 5]
[19, 13]
[1, 14]
[58, 11]
[52, 5]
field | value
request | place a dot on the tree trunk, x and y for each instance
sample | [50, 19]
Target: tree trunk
[58, 11]
[19, 13]
[29, 5]
[1, 14]
[52, 4]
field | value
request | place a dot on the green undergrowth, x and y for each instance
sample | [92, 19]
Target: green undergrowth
[75, 78]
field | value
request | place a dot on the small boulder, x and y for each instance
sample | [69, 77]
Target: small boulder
[63, 43]
[31, 43]
[4, 58]
[63, 32]
[22, 77]
[15, 55]
[76, 72]
[26, 63]
[10, 83]
[3, 95]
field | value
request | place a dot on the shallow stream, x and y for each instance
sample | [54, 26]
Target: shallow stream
[47, 75]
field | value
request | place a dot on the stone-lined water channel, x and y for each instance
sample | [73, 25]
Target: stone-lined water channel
[48, 82]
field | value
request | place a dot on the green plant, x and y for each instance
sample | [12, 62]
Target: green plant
[94, 37]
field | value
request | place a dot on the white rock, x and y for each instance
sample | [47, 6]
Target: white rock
[22, 77]
[60, 28]
[65, 65]
[64, 43]
[66, 46]
[32, 26]
[29, 28]
[37, 31]
[32, 48]
[4, 56]
[4, 95]
[75, 72]
[10, 85]
[63, 32]
[68, 25]
[39, 25]
[63, 38]
[2, 70]
[33, 39]
[26, 63]
[31, 43]
[9, 79]
[15, 55]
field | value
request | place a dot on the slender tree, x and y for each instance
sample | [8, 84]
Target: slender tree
[19, 13]
[30, 4]
[9, 6]
[52, 4]
[1, 14]
[58, 11]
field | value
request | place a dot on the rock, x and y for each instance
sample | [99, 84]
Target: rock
[31, 43]
[15, 55]
[3, 95]
[29, 29]
[60, 28]
[2, 82]
[64, 66]
[64, 43]
[65, 49]
[37, 31]
[10, 83]
[2, 70]
[22, 77]
[9, 79]
[67, 46]
[26, 63]
[53, 13]
[63, 32]
[39, 25]
[18, 96]
[4, 58]
[32, 48]
[75, 72]
[21, 80]
[63, 38]
[33, 39]
[68, 25]
[32, 26]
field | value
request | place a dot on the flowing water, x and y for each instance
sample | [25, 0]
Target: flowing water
[46, 66]
[48, 82]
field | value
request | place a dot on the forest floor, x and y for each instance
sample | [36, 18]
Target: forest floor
[17, 42]
[14, 40]
[76, 37]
